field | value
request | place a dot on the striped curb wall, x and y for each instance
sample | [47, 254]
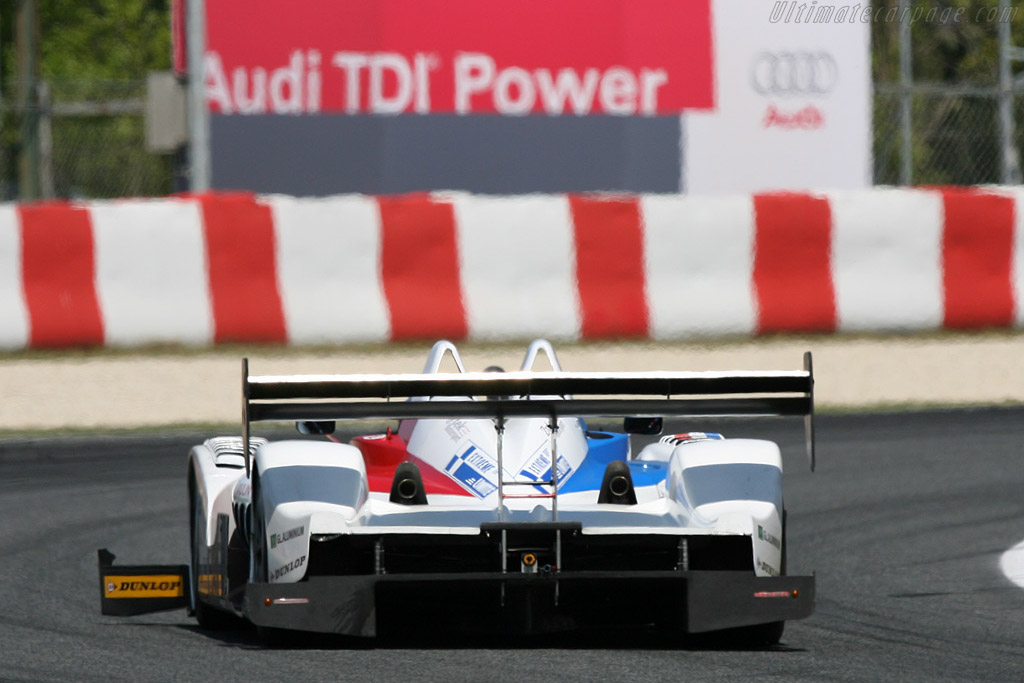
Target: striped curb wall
[237, 267]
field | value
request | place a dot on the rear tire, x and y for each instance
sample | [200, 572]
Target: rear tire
[762, 635]
[208, 616]
[276, 637]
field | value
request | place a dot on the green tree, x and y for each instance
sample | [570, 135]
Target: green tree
[104, 39]
[93, 39]
[92, 51]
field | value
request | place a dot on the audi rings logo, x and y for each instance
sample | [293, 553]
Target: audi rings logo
[794, 73]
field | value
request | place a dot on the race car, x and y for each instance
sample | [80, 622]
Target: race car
[490, 503]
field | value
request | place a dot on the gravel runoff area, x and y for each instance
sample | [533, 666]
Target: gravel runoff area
[127, 389]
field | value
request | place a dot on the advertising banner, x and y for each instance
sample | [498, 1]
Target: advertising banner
[793, 105]
[318, 97]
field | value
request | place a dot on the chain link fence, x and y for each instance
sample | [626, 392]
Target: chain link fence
[954, 135]
[91, 143]
[951, 60]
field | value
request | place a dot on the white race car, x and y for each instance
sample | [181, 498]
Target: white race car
[491, 506]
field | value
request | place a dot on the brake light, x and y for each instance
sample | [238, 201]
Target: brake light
[777, 594]
[285, 601]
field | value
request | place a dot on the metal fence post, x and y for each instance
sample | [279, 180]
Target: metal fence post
[46, 188]
[27, 53]
[198, 114]
[1010, 174]
[906, 83]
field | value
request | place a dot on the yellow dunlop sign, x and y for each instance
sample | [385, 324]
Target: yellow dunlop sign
[154, 586]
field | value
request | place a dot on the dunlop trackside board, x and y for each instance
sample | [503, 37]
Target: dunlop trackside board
[139, 589]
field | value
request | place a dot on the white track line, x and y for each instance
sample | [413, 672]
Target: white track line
[1012, 564]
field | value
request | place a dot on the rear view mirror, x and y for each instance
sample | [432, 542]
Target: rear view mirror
[642, 425]
[315, 428]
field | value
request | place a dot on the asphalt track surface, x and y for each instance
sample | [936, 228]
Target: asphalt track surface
[904, 523]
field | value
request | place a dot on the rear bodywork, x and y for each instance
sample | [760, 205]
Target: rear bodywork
[494, 507]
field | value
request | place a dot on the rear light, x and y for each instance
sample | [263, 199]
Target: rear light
[285, 601]
[777, 594]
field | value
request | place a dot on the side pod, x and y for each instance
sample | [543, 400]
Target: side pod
[140, 589]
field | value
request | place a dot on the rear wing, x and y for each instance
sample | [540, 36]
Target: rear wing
[529, 394]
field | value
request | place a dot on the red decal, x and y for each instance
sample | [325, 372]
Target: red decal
[420, 268]
[382, 450]
[977, 248]
[610, 267]
[792, 264]
[59, 276]
[808, 118]
[243, 281]
[382, 453]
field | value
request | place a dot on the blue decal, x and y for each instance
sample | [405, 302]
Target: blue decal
[603, 448]
[607, 446]
[538, 467]
[591, 475]
[470, 469]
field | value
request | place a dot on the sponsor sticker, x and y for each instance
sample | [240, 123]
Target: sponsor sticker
[286, 568]
[767, 537]
[456, 430]
[276, 539]
[691, 437]
[538, 467]
[474, 469]
[767, 568]
[154, 586]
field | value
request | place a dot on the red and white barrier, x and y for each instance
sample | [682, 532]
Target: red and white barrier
[237, 267]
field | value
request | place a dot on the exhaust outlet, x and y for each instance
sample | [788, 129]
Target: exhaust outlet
[407, 486]
[617, 486]
[407, 489]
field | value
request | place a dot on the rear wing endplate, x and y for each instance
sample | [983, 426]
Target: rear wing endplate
[127, 590]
